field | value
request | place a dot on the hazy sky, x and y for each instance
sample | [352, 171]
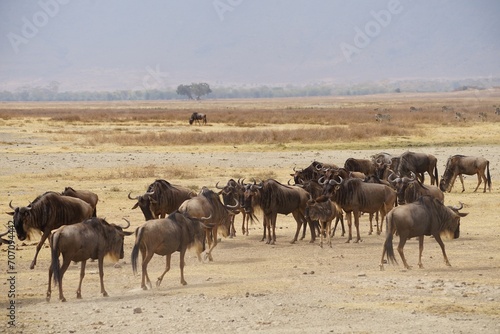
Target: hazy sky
[125, 44]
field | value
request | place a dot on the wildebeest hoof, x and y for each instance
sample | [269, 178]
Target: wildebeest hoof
[183, 282]
[78, 295]
[32, 266]
[145, 288]
[381, 267]
[63, 299]
[158, 282]
[105, 294]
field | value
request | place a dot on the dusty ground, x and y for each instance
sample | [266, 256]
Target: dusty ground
[251, 286]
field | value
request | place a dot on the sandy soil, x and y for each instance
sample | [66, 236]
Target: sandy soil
[251, 286]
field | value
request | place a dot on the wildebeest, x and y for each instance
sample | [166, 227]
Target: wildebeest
[46, 213]
[208, 204]
[324, 211]
[85, 195]
[161, 198]
[418, 163]
[409, 189]
[196, 116]
[365, 166]
[312, 172]
[458, 165]
[164, 236]
[273, 197]
[426, 216]
[94, 239]
[355, 196]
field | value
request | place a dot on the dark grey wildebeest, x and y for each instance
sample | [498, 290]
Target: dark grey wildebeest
[197, 117]
[426, 216]
[418, 163]
[165, 236]
[46, 213]
[93, 238]
[458, 165]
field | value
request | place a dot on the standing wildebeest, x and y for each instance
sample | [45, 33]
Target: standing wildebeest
[365, 166]
[46, 213]
[196, 116]
[426, 216]
[93, 238]
[410, 189]
[312, 172]
[85, 195]
[324, 211]
[418, 163]
[273, 198]
[208, 204]
[355, 196]
[460, 164]
[161, 199]
[164, 236]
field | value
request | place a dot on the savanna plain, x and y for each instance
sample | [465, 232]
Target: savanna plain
[118, 148]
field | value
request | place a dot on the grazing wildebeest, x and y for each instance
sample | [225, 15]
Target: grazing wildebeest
[46, 213]
[165, 236]
[355, 196]
[208, 204]
[324, 211]
[196, 116]
[426, 216]
[85, 195]
[273, 197]
[418, 163]
[460, 164]
[161, 198]
[409, 189]
[365, 166]
[93, 238]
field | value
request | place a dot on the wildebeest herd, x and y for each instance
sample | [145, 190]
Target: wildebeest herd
[387, 188]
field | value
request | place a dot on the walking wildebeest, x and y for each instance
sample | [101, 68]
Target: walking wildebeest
[324, 211]
[418, 163]
[355, 196]
[208, 204]
[161, 198]
[165, 236]
[426, 216]
[93, 238]
[273, 197]
[85, 195]
[46, 213]
[460, 164]
[196, 116]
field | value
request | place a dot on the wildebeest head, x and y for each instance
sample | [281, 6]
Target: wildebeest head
[22, 221]
[251, 191]
[456, 218]
[115, 240]
[144, 202]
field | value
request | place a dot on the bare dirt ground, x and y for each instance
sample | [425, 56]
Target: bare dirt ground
[250, 286]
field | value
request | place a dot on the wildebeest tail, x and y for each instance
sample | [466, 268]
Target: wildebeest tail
[54, 241]
[389, 230]
[488, 174]
[436, 175]
[135, 251]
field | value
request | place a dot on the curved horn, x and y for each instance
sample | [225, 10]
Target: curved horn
[205, 218]
[217, 185]
[459, 208]
[233, 207]
[130, 197]
[10, 204]
[321, 182]
[128, 224]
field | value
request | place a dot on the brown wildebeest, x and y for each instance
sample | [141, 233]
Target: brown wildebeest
[46, 213]
[426, 216]
[93, 238]
[312, 172]
[273, 198]
[410, 189]
[208, 204]
[355, 196]
[418, 163]
[161, 199]
[365, 166]
[460, 164]
[165, 236]
[324, 211]
[196, 116]
[85, 195]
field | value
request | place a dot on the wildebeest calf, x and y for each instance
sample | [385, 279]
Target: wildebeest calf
[92, 239]
[164, 236]
[324, 211]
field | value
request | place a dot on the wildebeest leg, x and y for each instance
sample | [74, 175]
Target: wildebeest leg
[441, 244]
[82, 275]
[181, 265]
[479, 182]
[371, 224]
[146, 257]
[167, 268]
[272, 240]
[211, 245]
[264, 225]
[49, 290]
[402, 242]
[349, 225]
[45, 235]
[232, 230]
[300, 222]
[101, 276]
[356, 224]
[63, 269]
[420, 250]
[329, 232]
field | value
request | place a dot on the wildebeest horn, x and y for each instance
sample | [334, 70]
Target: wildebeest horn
[297, 170]
[392, 177]
[289, 183]
[321, 182]
[232, 207]
[217, 185]
[128, 224]
[205, 218]
[458, 208]
[333, 182]
[130, 197]
[10, 204]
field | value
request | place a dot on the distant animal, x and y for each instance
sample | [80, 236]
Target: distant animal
[458, 165]
[161, 199]
[482, 116]
[324, 211]
[382, 117]
[460, 116]
[446, 109]
[46, 213]
[165, 236]
[197, 117]
[497, 111]
[414, 109]
[93, 238]
[85, 195]
[426, 216]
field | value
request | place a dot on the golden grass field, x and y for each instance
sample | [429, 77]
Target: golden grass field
[121, 147]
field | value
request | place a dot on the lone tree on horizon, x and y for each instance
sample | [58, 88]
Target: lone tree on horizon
[195, 89]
